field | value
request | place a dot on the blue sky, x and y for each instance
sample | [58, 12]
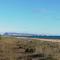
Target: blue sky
[30, 16]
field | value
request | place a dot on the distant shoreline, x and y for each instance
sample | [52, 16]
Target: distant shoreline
[41, 39]
[51, 40]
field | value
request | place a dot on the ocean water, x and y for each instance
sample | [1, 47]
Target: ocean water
[47, 37]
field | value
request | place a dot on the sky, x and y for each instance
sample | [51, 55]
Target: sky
[30, 16]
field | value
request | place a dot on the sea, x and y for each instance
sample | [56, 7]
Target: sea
[47, 37]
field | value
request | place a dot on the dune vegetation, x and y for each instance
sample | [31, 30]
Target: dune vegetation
[12, 48]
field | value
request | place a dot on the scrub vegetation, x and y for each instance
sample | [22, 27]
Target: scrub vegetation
[12, 48]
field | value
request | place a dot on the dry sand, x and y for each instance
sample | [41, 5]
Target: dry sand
[51, 40]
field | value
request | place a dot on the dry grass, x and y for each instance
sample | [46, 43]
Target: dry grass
[12, 48]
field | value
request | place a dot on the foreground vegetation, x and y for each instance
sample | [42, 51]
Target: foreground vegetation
[12, 48]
